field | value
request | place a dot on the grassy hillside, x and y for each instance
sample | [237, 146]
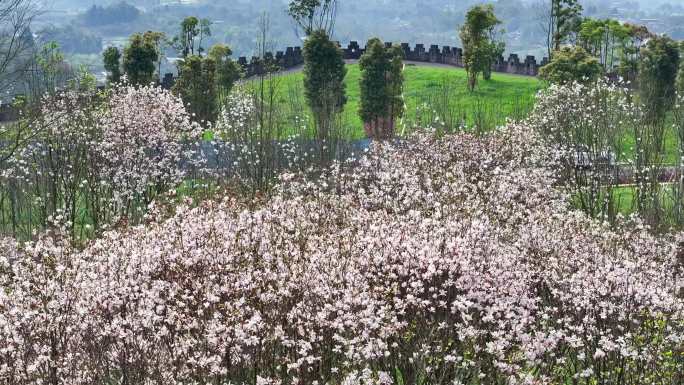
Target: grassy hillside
[434, 96]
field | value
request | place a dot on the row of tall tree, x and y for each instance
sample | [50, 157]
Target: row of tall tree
[583, 48]
[381, 66]
[205, 77]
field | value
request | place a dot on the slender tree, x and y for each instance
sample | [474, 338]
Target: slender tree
[185, 41]
[314, 15]
[603, 39]
[324, 73]
[478, 47]
[657, 77]
[204, 32]
[139, 62]
[112, 64]
[381, 87]
[560, 20]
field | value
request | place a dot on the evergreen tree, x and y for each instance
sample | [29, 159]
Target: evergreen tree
[140, 58]
[564, 19]
[159, 40]
[324, 73]
[381, 88]
[196, 85]
[112, 64]
[479, 49]
[571, 64]
[658, 77]
[630, 51]
[227, 70]
[185, 41]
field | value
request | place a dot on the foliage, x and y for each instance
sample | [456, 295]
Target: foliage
[324, 73]
[121, 12]
[479, 48]
[160, 42]
[196, 85]
[449, 260]
[94, 159]
[313, 15]
[604, 39]
[204, 82]
[657, 76]
[139, 60]
[227, 70]
[47, 72]
[112, 64]
[630, 54]
[565, 19]
[381, 85]
[571, 64]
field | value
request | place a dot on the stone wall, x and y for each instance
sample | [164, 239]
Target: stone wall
[292, 58]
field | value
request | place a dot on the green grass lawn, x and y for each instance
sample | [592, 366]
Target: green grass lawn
[430, 93]
[670, 140]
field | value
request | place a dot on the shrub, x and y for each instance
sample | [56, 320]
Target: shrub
[571, 64]
[446, 260]
[96, 158]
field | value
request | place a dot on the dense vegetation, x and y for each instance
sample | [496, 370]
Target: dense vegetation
[436, 261]
[377, 223]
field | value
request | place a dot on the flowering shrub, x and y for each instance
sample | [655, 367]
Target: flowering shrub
[141, 148]
[608, 139]
[43, 178]
[95, 158]
[252, 146]
[594, 114]
[435, 261]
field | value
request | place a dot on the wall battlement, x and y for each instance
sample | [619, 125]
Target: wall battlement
[292, 57]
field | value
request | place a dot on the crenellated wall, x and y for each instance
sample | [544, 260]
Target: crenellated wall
[292, 57]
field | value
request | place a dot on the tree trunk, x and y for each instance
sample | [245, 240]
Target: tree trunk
[381, 128]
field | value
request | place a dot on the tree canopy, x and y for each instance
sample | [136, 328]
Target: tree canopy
[479, 46]
[324, 74]
[571, 64]
[139, 60]
[381, 87]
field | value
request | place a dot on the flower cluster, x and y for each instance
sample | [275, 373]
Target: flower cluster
[143, 130]
[95, 158]
[592, 115]
[436, 260]
[255, 141]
